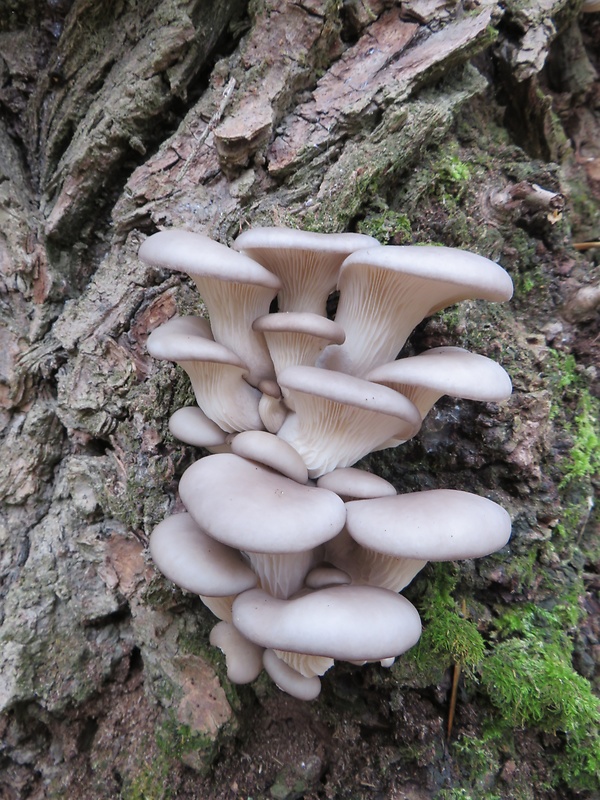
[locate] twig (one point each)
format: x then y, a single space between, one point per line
585 245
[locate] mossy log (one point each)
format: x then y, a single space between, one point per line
468 123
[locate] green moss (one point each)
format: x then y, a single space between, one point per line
385 225
448 637
583 460
530 679
176 740
151 783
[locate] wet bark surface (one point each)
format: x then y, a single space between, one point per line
468 124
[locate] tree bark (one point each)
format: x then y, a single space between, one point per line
469 123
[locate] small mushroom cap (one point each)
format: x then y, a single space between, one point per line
436 525
350 482
267 449
191 559
244 658
198 255
184 339
301 322
288 680
250 507
326 575
343 622
446 370
191 425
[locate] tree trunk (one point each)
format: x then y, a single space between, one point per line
468 123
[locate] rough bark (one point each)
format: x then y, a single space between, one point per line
471 124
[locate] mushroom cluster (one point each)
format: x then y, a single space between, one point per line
299 554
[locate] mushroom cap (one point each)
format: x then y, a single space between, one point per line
473 276
386 291
444 370
435 525
356 623
253 508
267 449
301 322
191 559
307 263
191 425
199 256
338 418
324 575
350 482
288 680
243 658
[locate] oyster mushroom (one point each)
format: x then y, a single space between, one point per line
216 373
306 263
386 291
337 418
235 289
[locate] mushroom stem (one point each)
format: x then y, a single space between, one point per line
283 575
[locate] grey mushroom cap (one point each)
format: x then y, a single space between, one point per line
352 623
288 679
307 263
435 525
243 658
195 562
268 449
191 425
338 418
235 289
356 484
385 292
248 506
444 371
216 372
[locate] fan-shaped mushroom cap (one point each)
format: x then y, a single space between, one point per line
235 289
243 658
343 622
288 679
248 506
356 484
386 291
306 263
191 425
338 418
436 525
268 449
297 338
191 559
216 373
444 370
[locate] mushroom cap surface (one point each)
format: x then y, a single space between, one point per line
356 623
198 255
243 658
358 484
446 370
248 506
435 525
191 425
191 559
267 449
288 679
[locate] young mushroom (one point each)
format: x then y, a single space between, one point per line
297 338
306 263
386 291
338 419
235 289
